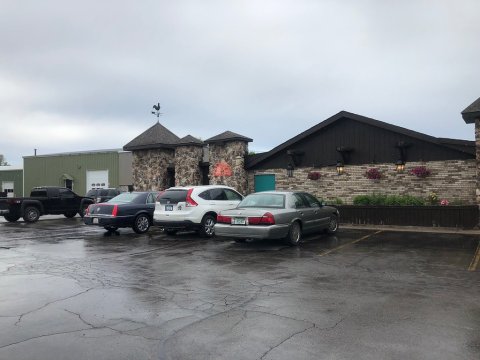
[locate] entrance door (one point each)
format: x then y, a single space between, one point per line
264 182
7 187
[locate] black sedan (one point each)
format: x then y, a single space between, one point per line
133 209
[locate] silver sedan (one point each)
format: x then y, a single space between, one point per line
277 215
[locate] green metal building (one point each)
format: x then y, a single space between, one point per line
79 171
11 181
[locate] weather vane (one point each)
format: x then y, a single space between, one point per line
157 111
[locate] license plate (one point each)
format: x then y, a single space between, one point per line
239 221
95 220
168 207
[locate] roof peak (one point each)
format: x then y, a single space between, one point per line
156 136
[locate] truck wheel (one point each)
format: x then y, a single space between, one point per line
70 214
11 218
31 214
141 224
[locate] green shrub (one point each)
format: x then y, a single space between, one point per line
392 200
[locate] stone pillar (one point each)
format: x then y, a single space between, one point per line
227 164
187 165
150 168
477 147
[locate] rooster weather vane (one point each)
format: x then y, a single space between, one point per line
157 111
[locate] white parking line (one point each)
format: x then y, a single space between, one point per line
326 252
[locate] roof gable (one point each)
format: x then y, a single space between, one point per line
227 136
472 112
157 136
189 140
457 145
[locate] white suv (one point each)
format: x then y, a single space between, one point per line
193 207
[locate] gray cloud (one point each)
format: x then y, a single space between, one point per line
265 69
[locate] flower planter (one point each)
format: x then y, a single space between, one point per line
465 217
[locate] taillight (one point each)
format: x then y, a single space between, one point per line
87 212
266 219
115 210
190 202
224 219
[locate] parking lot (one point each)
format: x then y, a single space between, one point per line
70 291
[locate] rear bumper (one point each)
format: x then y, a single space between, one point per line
251 232
118 221
177 225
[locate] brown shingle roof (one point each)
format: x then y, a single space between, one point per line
472 112
157 136
227 136
190 141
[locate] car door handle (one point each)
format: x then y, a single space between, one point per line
300 212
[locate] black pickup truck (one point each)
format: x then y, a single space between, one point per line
44 200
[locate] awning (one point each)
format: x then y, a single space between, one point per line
67 177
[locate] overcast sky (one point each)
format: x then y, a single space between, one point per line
84 75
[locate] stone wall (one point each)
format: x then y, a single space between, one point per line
477 142
454 180
150 168
233 154
187 165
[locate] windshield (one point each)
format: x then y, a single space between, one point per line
260 200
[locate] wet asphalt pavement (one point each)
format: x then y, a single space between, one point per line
69 291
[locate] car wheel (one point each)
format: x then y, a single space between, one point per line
31 214
207 229
170 231
11 218
83 210
110 228
332 225
70 214
294 234
141 224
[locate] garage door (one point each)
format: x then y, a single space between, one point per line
7 187
97 179
264 182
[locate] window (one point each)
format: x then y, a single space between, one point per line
205 195
173 196
150 199
298 201
311 200
65 194
232 195
217 194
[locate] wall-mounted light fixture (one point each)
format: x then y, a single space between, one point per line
400 166
340 168
290 170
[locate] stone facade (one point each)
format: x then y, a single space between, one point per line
454 180
150 168
477 147
232 153
187 165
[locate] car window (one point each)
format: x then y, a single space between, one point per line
124 198
217 194
205 195
311 200
150 198
113 192
298 201
38 193
65 194
91 193
260 200
173 196
232 195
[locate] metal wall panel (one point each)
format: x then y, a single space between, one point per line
54 169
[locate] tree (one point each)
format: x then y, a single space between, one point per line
3 161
